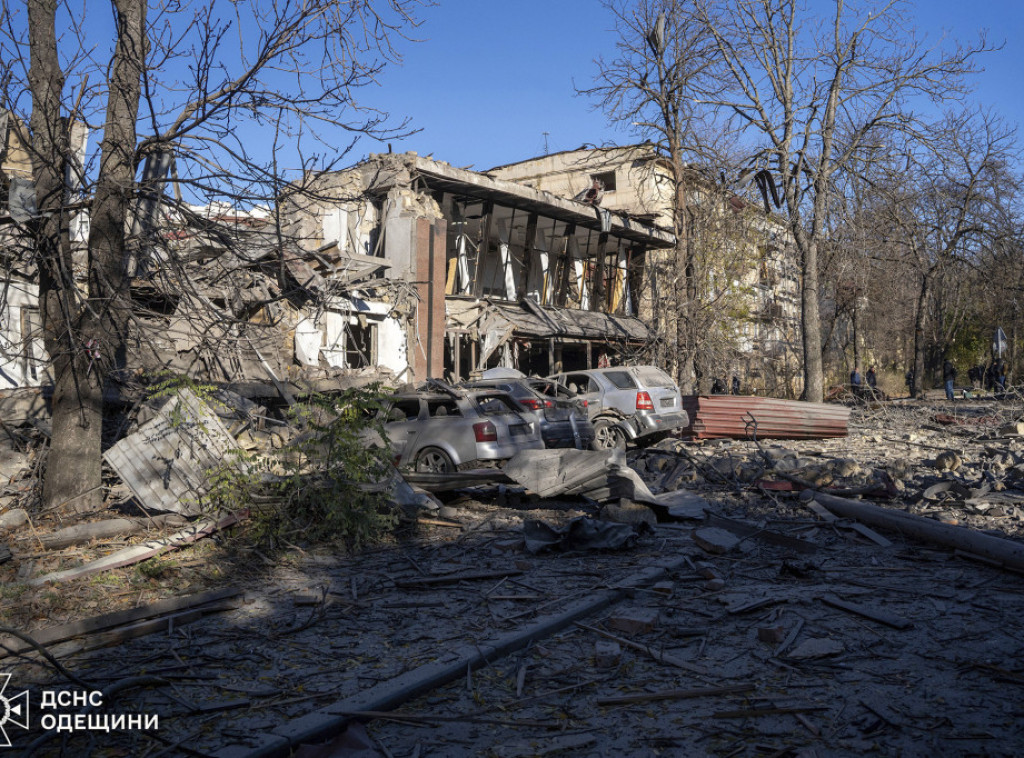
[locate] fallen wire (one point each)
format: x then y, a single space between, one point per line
39 648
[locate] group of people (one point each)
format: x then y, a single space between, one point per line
991 377
858 382
719 387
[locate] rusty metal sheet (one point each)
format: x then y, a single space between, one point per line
742 416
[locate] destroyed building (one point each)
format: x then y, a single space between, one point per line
502 274
409 266
22 358
637 181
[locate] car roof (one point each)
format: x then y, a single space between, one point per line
462 393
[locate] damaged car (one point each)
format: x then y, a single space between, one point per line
628 403
562 417
441 429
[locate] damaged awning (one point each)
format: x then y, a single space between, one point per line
527 319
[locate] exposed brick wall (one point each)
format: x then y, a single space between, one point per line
427 355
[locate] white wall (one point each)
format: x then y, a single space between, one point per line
15 297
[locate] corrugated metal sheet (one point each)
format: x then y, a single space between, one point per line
168 462
740 416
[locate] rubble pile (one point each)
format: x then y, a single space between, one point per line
722 598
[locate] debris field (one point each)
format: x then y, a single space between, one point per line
736 615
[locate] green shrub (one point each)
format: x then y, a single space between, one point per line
335 474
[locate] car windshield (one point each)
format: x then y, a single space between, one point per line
621 379
654 377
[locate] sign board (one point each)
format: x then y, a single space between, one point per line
999 343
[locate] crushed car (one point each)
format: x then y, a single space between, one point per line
628 403
437 428
563 418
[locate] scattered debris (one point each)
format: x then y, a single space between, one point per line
580 534
716 541
854 619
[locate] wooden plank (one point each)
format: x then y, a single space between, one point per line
873 614
826 515
436 581
138 553
166 623
105 529
647 697
64 632
659 655
764 535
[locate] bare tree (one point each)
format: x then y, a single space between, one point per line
648 87
188 80
937 203
809 97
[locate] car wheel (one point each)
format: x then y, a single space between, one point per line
607 435
434 460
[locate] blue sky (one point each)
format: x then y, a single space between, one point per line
489 79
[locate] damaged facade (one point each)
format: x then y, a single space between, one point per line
22 357
409 266
502 274
634 180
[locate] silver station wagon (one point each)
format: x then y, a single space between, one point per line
442 428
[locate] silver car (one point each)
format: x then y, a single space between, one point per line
562 419
442 428
628 403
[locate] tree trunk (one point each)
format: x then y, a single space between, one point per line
72 471
855 321
814 390
83 343
919 322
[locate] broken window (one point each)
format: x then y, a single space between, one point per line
621 379
496 406
441 408
404 409
360 345
581 384
606 178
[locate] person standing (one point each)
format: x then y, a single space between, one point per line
735 384
1000 375
948 377
855 380
872 378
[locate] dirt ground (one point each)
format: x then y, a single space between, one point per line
786 636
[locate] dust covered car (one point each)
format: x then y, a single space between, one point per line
563 419
440 429
628 403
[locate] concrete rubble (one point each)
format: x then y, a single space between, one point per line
746 613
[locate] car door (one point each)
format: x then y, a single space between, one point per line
403 426
586 387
